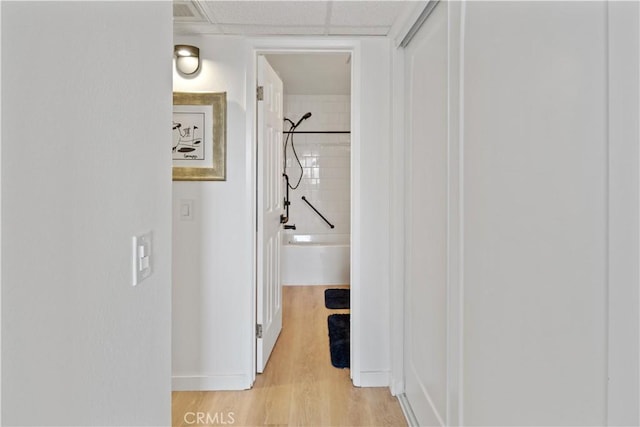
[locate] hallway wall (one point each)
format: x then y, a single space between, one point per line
535 214
86 103
212 289
213 252
371 212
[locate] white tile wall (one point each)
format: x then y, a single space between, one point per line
326 162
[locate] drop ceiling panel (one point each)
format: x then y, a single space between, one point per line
365 13
186 28
268 13
271 30
358 31
294 17
187 11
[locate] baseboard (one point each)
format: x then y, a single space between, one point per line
374 379
412 421
316 284
396 387
210 383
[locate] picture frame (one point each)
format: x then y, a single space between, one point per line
199 132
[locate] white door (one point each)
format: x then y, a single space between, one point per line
270 207
425 351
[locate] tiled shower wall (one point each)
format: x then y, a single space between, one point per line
325 158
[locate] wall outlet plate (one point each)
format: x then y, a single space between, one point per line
142 257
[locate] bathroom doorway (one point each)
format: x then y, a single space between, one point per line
316 167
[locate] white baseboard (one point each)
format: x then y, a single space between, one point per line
210 383
374 379
396 387
316 284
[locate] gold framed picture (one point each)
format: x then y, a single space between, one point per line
199 136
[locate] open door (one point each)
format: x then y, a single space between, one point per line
270 206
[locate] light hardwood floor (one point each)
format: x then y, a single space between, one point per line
299 387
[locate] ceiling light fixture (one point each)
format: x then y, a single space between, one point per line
187 58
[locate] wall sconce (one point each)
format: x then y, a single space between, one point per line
187 58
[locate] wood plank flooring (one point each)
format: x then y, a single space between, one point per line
299 387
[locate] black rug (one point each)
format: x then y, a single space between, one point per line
339 330
336 298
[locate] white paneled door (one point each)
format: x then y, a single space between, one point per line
270 207
425 319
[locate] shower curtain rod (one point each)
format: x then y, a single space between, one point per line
317 131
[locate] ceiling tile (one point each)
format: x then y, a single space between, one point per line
365 13
297 17
358 31
187 11
253 30
269 13
185 28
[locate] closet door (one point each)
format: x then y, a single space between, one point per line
425 352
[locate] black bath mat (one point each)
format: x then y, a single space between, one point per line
339 325
336 298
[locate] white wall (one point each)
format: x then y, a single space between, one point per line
624 227
370 224
0 222
540 117
535 224
213 253
86 97
213 257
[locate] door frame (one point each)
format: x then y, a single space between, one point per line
266 45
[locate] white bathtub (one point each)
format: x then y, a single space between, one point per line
315 259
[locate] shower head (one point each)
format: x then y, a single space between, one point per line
303 118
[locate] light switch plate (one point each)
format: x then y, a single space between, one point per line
186 210
142 257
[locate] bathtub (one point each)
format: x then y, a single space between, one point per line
315 259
